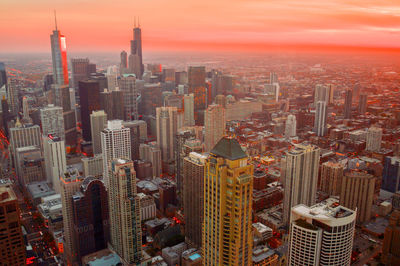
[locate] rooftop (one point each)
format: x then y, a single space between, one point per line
228 148
7 194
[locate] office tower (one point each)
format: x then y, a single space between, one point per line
124 61
391 241
193 197
331 178
215 83
91 214
214 125
93 166
22 136
12 246
320 119
47 82
59 57
197 83
118 104
358 192
391 174
168 75
151 153
127 85
321 235
301 177
166 121
228 195
70 183
135 58
347 104
98 121
115 143
3 75
6 116
80 70
106 103
138 129
322 93
12 97
52 121
55 159
124 206
151 98
374 139
188 107
362 104
30 165
25 110
290 126
89 93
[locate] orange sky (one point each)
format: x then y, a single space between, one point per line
106 25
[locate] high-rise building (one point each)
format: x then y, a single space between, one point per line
228 194
22 136
52 121
331 178
347 104
322 93
106 103
391 242
30 165
89 93
55 159
391 174
197 86
138 129
59 57
124 61
320 118
12 246
151 153
91 214
363 104
374 139
301 177
3 75
166 121
25 111
193 197
127 85
115 143
93 166
98 121
118 110
290 126
135 58
12 96
80 70
124 206
321 235
188 107
358 192
214 125
70 184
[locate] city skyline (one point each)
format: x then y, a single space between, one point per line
242 26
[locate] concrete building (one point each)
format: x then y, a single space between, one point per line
93 166
301 177
188 107
242 109
374 139
320 119
331 178
172 255
151 153
138 129
228 193
357 192
262 232
347 104
22 136
322 93
391 174
363 104
148 207
191 257
290 126
321 235
214 125
98 121
30 165
391 242
166 119
52 121
127 84
55 159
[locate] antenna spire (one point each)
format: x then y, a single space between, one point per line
138 22
55 18
134 21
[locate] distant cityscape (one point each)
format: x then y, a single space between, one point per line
199 159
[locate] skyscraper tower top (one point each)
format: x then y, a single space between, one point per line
59 56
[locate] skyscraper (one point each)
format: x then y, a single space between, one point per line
188 107
3 75
124 61
358 192
30 165
347 104
137 137
321 235
197 86
331 178
290 126
322 93
166 121
118 104
55 159
228 194
124 205
301 177
12 247
374 139
89 93
363 104
115 143
98 121
193 197
80 70
135 58
214 125
127 85
391 242
320 119
91 214
59 57
22 136
151 153
391 174
52 121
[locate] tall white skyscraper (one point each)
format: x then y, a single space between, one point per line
188 107
374 139
98 121
290 127
167 127
322 93
320 119
127 84
59 57
301 176
115 143
55 159
52 121
214 125
321 235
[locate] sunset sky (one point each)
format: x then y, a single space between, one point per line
106 25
